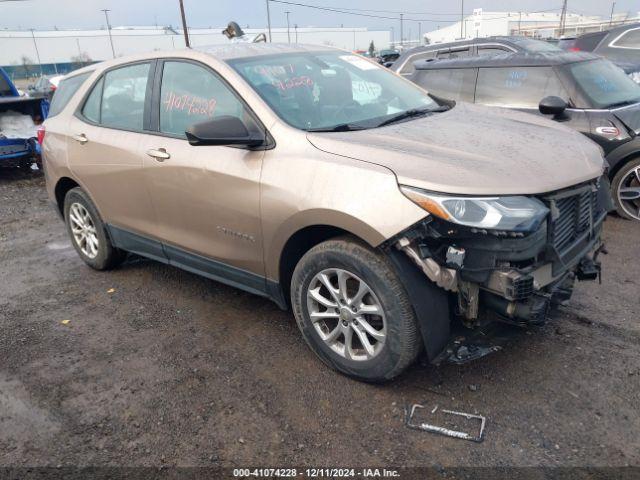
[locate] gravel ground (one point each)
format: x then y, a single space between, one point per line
157 366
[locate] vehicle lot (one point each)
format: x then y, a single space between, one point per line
175 369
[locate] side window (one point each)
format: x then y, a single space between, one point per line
452 84
629 39
462 53
191 94
123 97
91 109
518 86
65 92
489 51
408 67
442 54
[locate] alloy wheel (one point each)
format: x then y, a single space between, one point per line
629 193
83 230
346 314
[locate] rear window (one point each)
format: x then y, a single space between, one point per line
589 42
65 91
5 88
518 86
531 45
408 67
629 39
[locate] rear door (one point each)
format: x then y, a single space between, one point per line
104 146
206 197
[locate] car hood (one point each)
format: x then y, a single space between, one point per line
474 150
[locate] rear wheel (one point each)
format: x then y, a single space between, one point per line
626 190
353 312
88 234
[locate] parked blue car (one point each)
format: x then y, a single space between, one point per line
19 120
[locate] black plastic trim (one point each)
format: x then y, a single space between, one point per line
430 304
198 264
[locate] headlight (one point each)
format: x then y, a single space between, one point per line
520 214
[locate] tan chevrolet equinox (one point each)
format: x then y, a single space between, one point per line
382 216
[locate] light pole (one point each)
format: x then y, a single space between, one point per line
613 6
288 34
401 30
184 26
37 52
420 33
393 36
268 20
295 27
462 20
106 16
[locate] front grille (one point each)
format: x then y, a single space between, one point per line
572 215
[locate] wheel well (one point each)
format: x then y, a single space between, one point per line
300 243
62 187
621 163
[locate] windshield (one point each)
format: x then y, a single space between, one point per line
604 84
325 90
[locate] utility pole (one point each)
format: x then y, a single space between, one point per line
462 20
393 35
401 29
184 26
563 18
613 6
288 34
295 27
268 20
420 33
519 22
37 52
106 16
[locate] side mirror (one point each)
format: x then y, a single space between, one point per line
224 130
553 106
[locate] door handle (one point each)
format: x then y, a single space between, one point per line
159 154
81 138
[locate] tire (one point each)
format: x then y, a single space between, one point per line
628 177
397 341
81 214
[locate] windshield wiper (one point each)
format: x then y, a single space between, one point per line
342 127
412 113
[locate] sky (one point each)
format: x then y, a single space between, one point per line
86 14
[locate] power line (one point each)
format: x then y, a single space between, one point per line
356 12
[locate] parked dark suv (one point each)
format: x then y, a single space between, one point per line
470 48
621 45
581 90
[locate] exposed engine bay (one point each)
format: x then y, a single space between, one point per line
511 276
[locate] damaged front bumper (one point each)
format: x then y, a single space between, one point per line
513 277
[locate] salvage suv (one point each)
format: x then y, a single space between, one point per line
324 182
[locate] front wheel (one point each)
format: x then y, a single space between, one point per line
353 311
626 190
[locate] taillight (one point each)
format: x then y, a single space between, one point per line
574 49
41 132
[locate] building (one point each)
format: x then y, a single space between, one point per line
537 25
62 50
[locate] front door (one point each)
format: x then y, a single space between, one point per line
206 198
